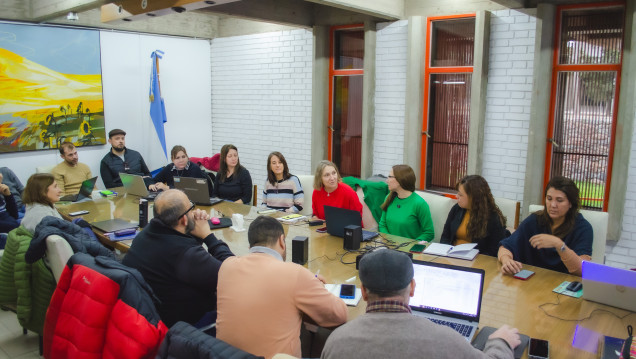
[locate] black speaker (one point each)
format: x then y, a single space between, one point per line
143 213
300 249
352 237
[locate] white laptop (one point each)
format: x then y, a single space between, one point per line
135 185
196 189
609 285
448 295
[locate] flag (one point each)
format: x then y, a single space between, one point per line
157 107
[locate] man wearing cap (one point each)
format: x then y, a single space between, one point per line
261 298
389 330
70 173
121 159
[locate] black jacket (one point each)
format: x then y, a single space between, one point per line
179 270
489 244
111 166
237 186
169 172
186 341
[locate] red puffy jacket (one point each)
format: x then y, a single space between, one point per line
101 309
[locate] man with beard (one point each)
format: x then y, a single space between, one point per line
121 159
70 174
261 298
169 255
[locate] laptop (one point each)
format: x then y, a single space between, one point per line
609 285
448 295
135 185
338 218
112 225
196 189
86 190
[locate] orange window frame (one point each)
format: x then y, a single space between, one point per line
556 68
428 70
332 73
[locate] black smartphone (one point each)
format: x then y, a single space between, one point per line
574 286
347 291
322 230
538 349
417 248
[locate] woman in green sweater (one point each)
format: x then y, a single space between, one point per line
405 213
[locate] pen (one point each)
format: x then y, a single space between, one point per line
318 272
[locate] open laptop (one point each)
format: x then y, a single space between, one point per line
609 285
338 218
85 191
448 295
135 185
196 189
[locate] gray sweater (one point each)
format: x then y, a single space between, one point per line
403 335
34 213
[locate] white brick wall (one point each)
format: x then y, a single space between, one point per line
509 92
390 94
261 98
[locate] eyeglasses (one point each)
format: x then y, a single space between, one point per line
192 205
389 176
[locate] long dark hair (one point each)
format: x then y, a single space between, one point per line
482 205
223 165
405 176
568 187
271 177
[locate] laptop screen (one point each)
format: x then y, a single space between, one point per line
451 290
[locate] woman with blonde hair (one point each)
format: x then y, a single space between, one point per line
40 194
330 191
475 218
180 167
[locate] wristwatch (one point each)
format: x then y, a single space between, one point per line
563 247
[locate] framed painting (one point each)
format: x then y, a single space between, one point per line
50 88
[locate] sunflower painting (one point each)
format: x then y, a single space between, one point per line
50 88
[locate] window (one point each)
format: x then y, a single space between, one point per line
584 101
447 95
345 98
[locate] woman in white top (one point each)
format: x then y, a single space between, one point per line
40 194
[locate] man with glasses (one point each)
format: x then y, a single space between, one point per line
169 254
121 159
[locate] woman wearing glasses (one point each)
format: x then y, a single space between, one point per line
404 212
180 167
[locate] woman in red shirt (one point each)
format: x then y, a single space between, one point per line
330 191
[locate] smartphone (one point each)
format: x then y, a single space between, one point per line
574 286
347 291
538 349
417 248
322 230
524 274
78 213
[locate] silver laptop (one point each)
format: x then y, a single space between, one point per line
448 295
85 191
338 218
135 185
609 285
196 189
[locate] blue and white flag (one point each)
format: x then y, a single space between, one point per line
157 107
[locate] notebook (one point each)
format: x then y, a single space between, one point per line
463 251
135 185
609 285
196 189
86 190
448 295
338 218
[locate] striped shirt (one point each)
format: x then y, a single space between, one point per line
284 194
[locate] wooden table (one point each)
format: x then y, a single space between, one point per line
530 305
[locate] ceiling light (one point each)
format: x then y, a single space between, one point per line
72 16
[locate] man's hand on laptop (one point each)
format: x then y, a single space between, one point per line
510 335
201 225
158 187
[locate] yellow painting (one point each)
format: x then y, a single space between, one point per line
50 88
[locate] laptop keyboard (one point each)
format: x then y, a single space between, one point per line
462 329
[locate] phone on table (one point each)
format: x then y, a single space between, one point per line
538 349
417 248
78 213
322 230
574 286
524 274
347 291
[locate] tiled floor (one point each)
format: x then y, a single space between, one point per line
14 344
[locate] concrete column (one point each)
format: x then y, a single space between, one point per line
478 93
539 113
414 94
624 127
320 95
368 100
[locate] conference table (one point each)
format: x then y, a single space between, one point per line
530 305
